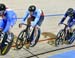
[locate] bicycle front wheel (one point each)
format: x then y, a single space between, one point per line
5 48
59 38
20 40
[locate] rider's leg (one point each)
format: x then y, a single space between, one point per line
36 29
72 38
9 36
9 33
2 26
29 20
69 30
71 26
35 33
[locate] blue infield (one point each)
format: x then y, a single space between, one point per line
69 54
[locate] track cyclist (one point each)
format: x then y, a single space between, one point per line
7 20
71 22
36 16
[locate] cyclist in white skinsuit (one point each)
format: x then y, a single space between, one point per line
36 15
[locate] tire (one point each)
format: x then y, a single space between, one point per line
20 40
59 38
5 49
37 38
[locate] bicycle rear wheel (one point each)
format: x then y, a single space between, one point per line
59 38
36 39
5 48
72 38
20 39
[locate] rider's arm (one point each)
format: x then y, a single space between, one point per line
63 18
7 27
12 16
37 18
25 16
14 19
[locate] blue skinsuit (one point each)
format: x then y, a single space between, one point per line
8 20
71 20
38 17
37 20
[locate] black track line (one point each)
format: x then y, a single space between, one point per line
34 55
30 53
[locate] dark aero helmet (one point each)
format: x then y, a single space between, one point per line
2 7
32 8
70 11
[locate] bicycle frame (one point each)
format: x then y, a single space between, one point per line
63 36
26 37
65 28
27 31
66 31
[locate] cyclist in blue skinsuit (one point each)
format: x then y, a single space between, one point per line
36 15
71 21
7 19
